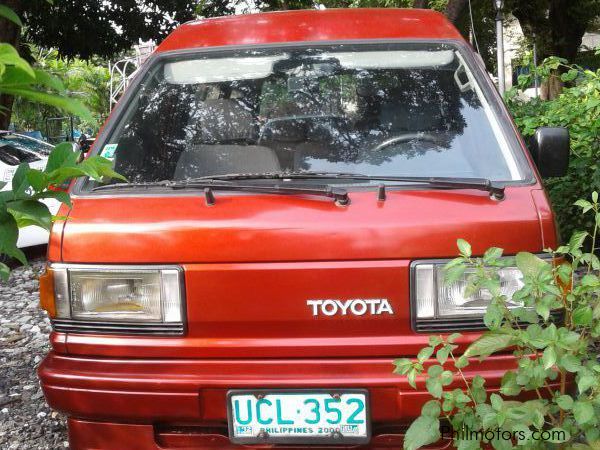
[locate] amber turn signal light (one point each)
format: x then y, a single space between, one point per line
47 300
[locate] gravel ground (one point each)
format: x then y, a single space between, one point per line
26 421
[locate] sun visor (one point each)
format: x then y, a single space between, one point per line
401 59
215 70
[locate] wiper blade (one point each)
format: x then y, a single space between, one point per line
107 187
340 195
483 184
277 175
225 182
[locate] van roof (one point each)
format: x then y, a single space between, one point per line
311 26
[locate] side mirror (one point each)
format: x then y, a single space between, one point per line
550 148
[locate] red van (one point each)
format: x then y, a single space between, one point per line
296 182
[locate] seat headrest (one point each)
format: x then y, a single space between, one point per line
206 160
222 121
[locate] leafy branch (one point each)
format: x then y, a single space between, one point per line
22 205
555 361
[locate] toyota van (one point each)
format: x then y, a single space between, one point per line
296 182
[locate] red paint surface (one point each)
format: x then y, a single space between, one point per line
252 261
270 228
311 26
102 436
172 392
106 395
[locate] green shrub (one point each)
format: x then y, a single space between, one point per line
578 109
548 354
22 205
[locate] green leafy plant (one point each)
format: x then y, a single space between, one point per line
557 371
22 205
578 109
89 81
19 79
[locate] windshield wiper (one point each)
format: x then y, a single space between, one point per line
149 184
339 195
278 175
483 184
225 182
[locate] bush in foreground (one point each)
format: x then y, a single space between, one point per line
578 109
557 363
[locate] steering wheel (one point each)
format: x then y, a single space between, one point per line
270 123
406 138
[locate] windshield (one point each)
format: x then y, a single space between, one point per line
396 110
15 149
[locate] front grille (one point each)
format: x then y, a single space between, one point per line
468 323
90 327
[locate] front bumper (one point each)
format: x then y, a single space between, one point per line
169 403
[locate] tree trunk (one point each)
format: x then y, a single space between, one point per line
455 8
557 31
423 4
552 87
9 33
567 28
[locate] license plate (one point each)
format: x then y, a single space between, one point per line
299 416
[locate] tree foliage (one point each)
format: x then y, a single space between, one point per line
18 78
88 81
85 28
578 109
88 28
557 26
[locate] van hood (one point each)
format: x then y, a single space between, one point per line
284 276
273 228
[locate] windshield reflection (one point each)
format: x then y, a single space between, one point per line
406 110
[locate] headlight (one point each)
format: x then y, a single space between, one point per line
117 299
437 306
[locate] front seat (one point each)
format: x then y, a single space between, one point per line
220 145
